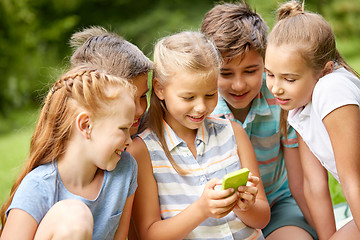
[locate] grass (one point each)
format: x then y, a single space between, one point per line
14 146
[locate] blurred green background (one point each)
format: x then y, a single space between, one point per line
34 50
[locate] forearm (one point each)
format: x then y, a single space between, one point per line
301 202
321 209
177 227
258 216
351 191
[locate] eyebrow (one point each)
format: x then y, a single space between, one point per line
251 66
286 74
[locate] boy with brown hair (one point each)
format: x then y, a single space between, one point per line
240 35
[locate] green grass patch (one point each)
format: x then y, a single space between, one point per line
14 147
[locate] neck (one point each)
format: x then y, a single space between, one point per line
78 175
240 113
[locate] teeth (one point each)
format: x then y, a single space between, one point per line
118 152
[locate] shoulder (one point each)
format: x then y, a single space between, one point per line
334 90
217 125
36 193
126 162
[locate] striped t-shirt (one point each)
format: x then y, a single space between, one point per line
216 156
262 125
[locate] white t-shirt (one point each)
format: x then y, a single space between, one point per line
332 91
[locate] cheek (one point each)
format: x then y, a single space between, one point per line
223 84
140 108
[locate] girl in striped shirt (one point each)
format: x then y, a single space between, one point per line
183 153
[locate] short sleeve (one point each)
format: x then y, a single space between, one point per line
34 197
334 91
291 141
133 182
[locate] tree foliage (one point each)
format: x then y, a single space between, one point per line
34 34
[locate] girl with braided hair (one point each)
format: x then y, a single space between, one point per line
79 181
109 52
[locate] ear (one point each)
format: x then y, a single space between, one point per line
329 67
158 89
83 124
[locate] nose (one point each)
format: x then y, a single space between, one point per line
238 84
128 139
200 106
276 88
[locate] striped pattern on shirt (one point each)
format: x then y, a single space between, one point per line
262 125
216 156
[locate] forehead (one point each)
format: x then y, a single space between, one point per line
140 82
252 57
285 58
190 82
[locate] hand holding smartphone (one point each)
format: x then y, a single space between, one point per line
235 179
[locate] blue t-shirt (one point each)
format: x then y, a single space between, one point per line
43 187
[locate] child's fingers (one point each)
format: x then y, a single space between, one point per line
254 180
212 183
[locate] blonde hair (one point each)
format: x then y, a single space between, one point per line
108 52
187 51
235 29
311 34
80 88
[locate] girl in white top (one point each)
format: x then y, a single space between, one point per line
311 80
181 157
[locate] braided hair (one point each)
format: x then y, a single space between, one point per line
79 89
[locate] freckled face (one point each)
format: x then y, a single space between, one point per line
288 77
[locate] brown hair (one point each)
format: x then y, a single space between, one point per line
235 29
108 52
188 52
80 88
311 34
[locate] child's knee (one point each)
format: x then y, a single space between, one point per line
67 219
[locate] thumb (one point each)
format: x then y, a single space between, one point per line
213 182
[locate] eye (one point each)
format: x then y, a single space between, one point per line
188 98
211 95
269 74
250 71
143 96
225 74
290 80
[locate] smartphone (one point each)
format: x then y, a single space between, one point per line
235 179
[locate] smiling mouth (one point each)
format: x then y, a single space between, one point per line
136 123
118 152
197 119
239 95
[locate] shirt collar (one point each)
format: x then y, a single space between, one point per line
173 140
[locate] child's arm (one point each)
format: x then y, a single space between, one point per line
257 213
123 228
19 225
296 179
343 127
316 191
146 210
